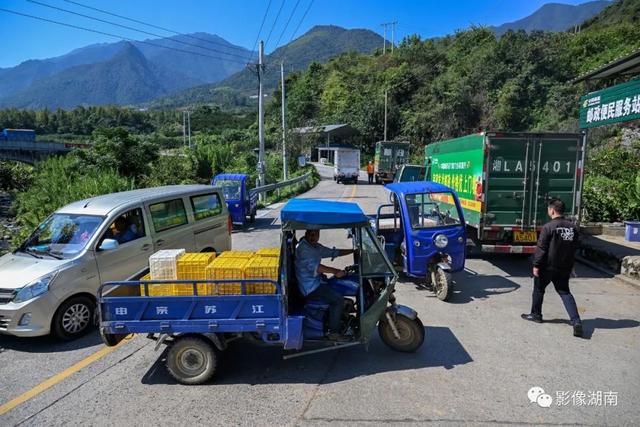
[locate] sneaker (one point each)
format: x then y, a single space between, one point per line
532 317
577 329
334 336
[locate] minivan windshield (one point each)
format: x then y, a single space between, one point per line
230 188
61 235
428 210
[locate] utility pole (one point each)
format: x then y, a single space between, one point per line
393 29
184 129
384 39
385 115
261 166
189 124
285 171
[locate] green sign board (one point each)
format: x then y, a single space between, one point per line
615 104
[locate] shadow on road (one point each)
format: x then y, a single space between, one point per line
47 344
589 326
247 363
519 265
470 286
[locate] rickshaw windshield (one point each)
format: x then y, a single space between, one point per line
429 210
230 188
373 260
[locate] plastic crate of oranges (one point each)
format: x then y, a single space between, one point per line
192 266
226 268
262 268
268 252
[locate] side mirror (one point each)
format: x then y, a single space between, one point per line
108 245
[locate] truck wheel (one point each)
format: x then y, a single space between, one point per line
192 360
73 318
411 334
443 287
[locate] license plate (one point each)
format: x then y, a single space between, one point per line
525 237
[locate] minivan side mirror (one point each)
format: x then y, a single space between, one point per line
108 245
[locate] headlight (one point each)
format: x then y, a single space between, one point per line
441 241
35 288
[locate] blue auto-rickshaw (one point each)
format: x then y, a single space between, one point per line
423 231
198 327
242 203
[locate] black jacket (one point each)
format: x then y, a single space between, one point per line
557 245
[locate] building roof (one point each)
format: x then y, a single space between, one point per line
103 205
338 129
627 65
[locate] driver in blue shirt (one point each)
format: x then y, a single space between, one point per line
312 282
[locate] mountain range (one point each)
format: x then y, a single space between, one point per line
145 73
555 17
120 73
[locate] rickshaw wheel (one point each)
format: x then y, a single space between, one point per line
192 360
411 334
443 287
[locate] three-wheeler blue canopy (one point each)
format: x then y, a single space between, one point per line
316 214
418 187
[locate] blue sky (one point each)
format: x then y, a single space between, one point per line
238 21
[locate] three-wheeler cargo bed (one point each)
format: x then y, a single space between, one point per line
190 314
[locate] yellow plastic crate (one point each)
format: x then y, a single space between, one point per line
237 254
268 252
262 268
227 268
157 290
192 266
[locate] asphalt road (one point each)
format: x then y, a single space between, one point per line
477 364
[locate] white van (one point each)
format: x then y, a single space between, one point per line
49 283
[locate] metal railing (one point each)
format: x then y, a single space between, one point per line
278 185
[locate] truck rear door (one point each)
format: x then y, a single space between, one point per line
557 171
525 171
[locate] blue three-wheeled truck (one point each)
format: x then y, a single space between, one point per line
198 327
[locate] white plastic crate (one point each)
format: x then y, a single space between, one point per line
163 264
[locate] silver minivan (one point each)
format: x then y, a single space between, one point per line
49 284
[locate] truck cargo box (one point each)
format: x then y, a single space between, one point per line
505 181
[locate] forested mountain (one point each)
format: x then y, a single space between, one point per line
127 78
461 83
21 83
555 17
319 44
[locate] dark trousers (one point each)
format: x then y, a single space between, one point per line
327 294
370 178
560 281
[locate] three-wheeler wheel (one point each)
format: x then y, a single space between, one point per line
192 360
410 333
442 283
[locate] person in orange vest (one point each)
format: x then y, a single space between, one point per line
370 171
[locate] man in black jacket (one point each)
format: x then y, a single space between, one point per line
553 262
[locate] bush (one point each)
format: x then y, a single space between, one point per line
57 182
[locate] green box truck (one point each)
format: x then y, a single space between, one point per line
389 156
504 181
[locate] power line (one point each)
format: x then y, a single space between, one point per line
286 25
300 22
275 22
132 28
264 18
77 27
152 25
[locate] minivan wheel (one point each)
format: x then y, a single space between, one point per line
74 318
